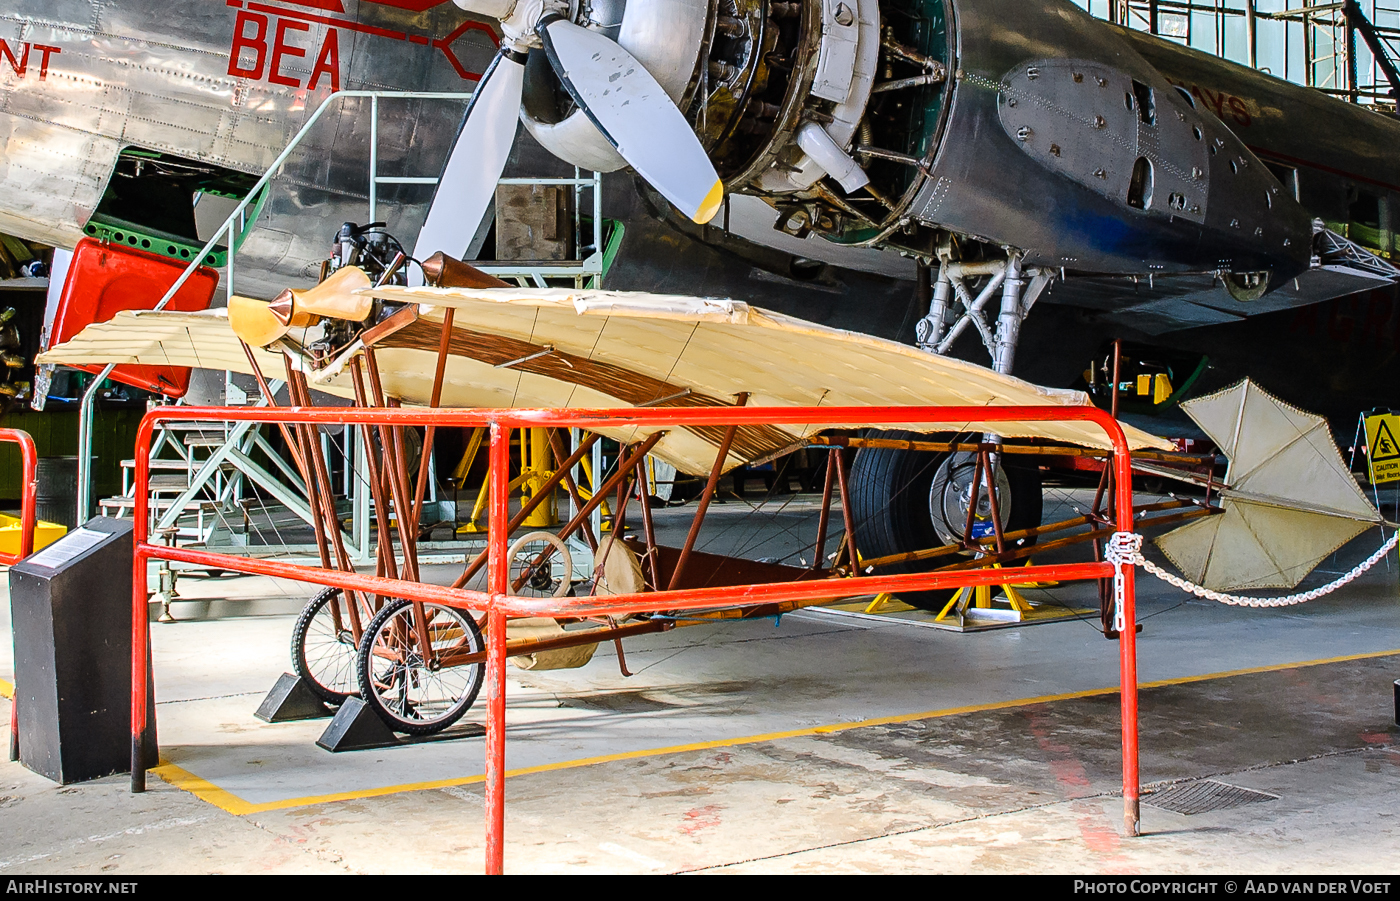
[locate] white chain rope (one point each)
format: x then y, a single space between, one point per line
1126 548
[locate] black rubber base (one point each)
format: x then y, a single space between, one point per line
291 699
358 728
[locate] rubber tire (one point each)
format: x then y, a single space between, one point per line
890 506
371 697
301 666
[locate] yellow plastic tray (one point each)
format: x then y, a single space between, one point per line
45 534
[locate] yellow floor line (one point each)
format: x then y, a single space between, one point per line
185 780
7 689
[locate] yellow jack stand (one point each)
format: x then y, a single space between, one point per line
886 603
980 597
535 462
975 608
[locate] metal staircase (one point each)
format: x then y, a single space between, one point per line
202 480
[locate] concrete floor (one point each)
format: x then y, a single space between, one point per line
832 743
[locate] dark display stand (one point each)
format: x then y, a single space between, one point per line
71 610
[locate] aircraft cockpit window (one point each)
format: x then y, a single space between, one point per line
1146 107
1189 99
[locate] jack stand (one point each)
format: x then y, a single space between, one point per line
167 592
885 599
974 608
979 597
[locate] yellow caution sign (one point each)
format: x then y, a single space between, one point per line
1383 451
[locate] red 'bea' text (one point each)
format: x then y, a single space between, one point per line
19 63
263 44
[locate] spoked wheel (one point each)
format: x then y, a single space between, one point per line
323 647
906 500
415 689
534 560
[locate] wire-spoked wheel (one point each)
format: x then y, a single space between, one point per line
415 689
323 648
533 560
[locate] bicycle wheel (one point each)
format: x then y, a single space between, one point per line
535 575
322 654
414 691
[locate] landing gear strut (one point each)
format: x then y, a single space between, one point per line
907 500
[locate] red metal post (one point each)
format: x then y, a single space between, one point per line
29 462
140 617
497 573
1127 640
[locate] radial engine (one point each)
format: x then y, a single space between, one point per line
900 123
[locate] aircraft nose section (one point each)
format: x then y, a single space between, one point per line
1187 191
1260 226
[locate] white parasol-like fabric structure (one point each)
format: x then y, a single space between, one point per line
1289 499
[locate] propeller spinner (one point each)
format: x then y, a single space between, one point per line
613 89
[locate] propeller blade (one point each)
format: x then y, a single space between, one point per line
477 160
636 116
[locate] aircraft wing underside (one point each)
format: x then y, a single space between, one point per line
1175 302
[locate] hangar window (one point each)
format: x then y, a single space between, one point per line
1147 109
1140 187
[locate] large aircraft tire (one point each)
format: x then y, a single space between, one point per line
893 509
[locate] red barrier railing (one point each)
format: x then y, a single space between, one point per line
29 462
498 604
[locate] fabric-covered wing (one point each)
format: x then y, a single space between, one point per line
543 348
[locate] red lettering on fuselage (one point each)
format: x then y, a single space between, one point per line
1221 103
338 6
281 48
327 62
257 42
250 35
261 39
20 64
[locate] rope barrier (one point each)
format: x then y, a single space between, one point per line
1125 548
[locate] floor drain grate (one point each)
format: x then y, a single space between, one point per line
1200 797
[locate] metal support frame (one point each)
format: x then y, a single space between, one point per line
237 219
499 604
